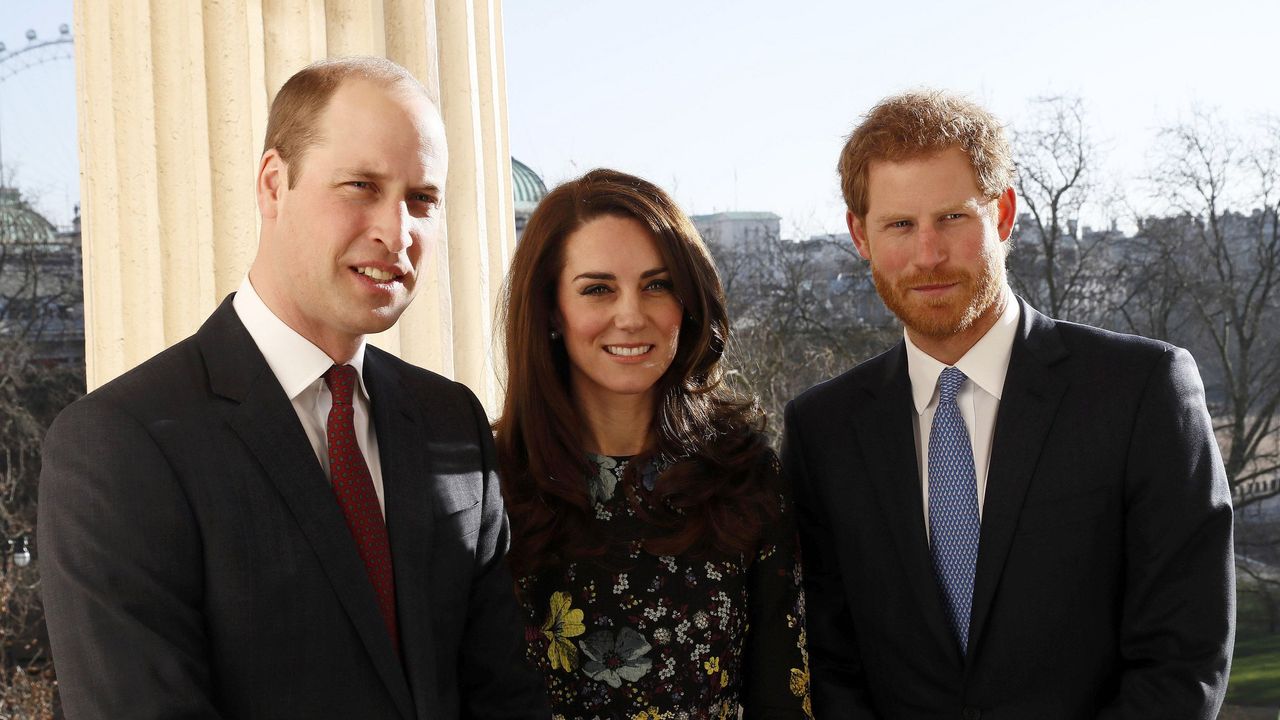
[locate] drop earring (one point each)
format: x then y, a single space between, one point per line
555 334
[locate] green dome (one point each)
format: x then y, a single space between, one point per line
526 186
21 225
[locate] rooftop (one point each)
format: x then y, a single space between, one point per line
736 215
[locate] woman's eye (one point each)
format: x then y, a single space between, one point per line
663 285
595 289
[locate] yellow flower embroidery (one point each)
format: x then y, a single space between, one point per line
724 679
652 713
562 623
800 688
712 666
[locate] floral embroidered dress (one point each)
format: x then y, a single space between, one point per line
634 636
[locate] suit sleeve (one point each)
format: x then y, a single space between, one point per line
495 682
121 570
1179 606
838 685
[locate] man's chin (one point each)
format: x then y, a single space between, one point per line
380 319
928 319
934 326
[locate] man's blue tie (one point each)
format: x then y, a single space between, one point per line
953 506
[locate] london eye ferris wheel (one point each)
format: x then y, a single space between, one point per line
37 119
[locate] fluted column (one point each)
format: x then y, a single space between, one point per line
173 100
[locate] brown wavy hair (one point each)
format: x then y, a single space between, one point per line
723 486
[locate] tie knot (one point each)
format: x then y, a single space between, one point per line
341 380
949 383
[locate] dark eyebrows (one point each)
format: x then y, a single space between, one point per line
610 276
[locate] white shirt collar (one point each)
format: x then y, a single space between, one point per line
296 362
986 363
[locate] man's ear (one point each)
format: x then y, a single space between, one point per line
858 232
273 178
1006 213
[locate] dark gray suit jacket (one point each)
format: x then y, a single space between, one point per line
1104 585
197 565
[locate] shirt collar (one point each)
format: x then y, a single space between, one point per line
986 363
295 360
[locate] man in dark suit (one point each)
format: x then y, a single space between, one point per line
270 519
1004 515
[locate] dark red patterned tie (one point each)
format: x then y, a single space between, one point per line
354 487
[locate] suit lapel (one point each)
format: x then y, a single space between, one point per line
1028 403
266 423
887 427
406 480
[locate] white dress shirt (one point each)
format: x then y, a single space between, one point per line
300 366
985 365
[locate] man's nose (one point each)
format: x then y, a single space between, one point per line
392 226
931 248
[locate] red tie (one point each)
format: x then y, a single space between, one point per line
353 486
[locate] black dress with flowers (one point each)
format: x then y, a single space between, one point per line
634 636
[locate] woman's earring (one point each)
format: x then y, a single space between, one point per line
555 334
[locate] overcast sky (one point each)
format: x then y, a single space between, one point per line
743 104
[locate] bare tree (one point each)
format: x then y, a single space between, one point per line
1153 301
40 373
1216 283
1056 265
802 312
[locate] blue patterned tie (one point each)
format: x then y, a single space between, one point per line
953 505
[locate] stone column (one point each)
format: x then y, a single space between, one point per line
172 101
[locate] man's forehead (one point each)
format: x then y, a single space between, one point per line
365 108
357 97
921 185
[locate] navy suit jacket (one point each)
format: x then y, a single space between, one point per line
196 564
1105 582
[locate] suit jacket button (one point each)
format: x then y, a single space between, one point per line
971 713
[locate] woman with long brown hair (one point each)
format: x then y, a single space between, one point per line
652 541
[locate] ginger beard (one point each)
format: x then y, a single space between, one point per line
948 315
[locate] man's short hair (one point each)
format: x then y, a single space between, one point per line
295 112
919 124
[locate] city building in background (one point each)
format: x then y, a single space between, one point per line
738 230
41 296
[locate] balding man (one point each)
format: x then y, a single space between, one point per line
272 519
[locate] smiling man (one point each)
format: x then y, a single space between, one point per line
272 519
1004 515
